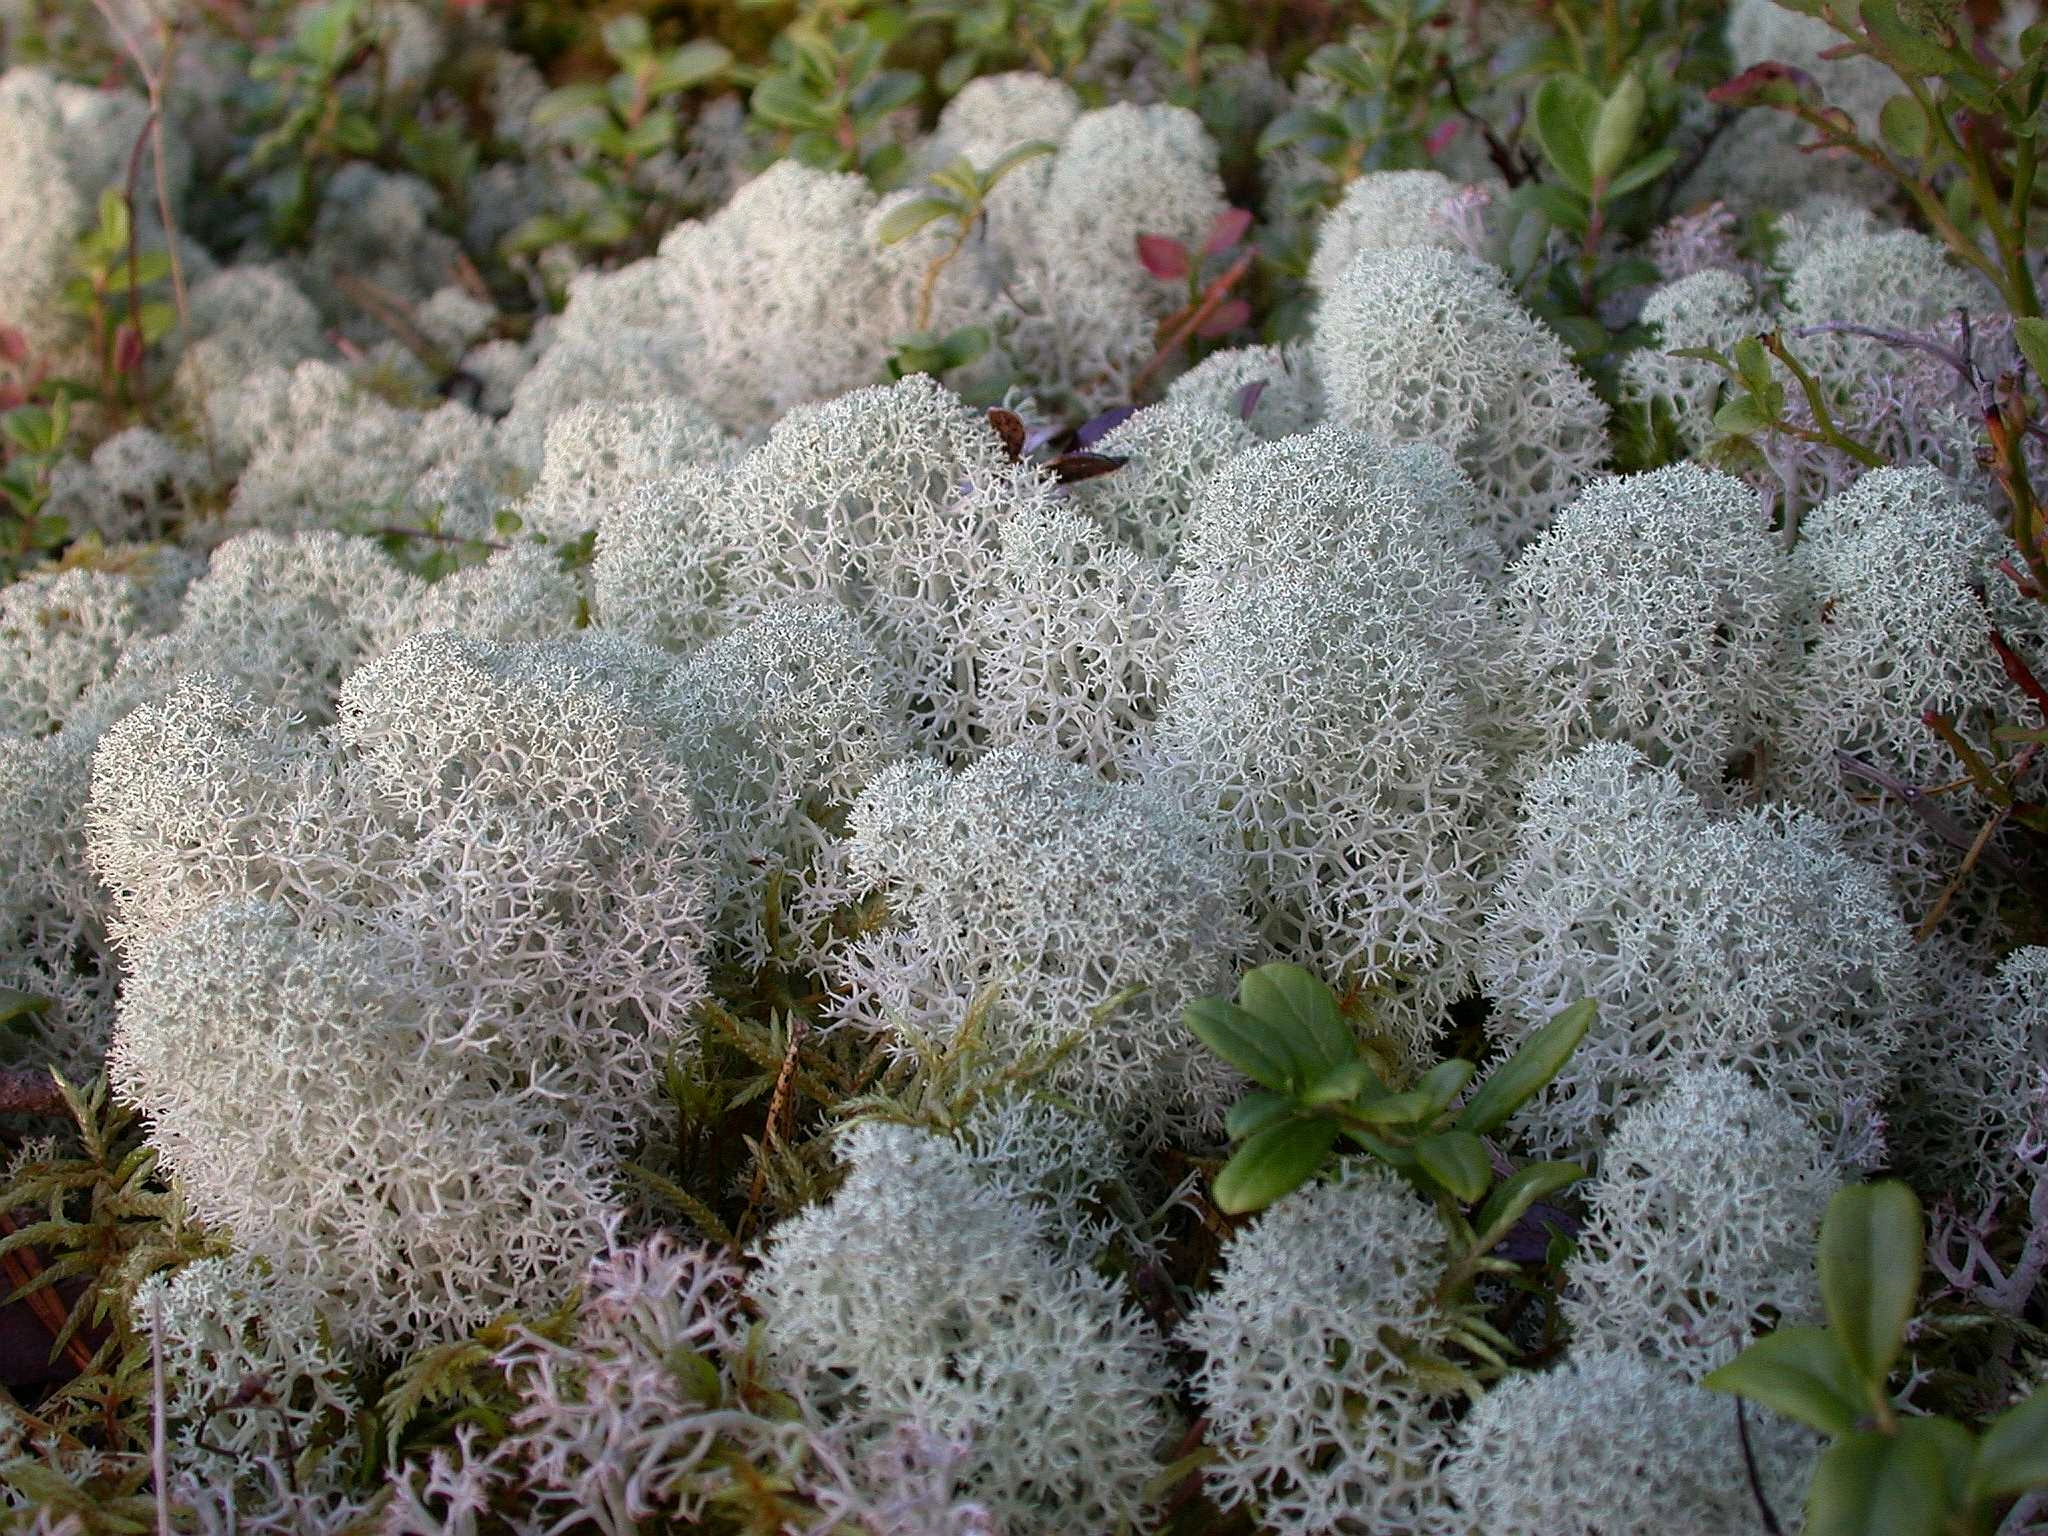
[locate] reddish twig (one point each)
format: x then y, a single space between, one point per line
1211 300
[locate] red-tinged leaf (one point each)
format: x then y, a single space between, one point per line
2017 669
1248 399
1164 258
127 349
1440 137
1010 428
1766 85
2019 578
1071 467
12 395
1228 229
13 346
1224 318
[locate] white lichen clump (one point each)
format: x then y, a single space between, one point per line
1064 893
1610 1441
1748 940
1423 343
1660 611
1687 1252
921 1296
1319 1425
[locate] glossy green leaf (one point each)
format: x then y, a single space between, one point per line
1643 172
1254 1112
1247 1043
1338 1084
1869 1484
1457 1160
1614 129
1510 1202
1273 1163
1393 1110
1446 1080
1301 1010
1566 114
1799 1372
2012 1457
1526 1073
1869 1260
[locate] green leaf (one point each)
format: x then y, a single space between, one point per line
1561 206
356 133
1753 365
1906 50
782 102
1566 115
113 228
692 65
885 93
1870 1272
20 1005
959 177
627 35
1870 1484
1510 1202
907 218
1343 1082
1247 1043
962 346
1801 1373
322 33
1457 1160
1276 1161
1446 1080
1394 1109
1010 159
1741 416
1525 1074
1643 172
1904 126
1254 1112
1614 129
158 320
1301 1010
2012 1457
2032 335
1295 125
652 134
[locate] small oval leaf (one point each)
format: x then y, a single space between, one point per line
1273 1163
1870 1243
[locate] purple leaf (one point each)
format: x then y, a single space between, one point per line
1097 428
1248 399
